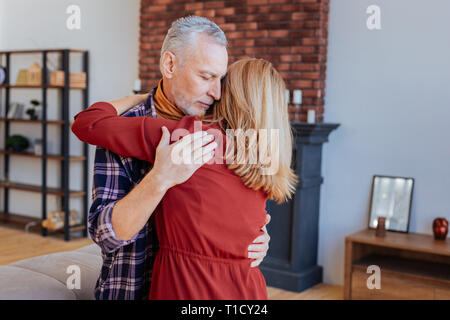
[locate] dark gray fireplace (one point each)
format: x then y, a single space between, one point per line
291 262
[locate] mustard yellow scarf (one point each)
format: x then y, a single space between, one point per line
164 108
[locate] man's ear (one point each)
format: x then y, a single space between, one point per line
168 64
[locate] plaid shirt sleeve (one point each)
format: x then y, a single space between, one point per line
110 184
127 265
114 177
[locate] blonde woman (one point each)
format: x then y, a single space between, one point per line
226 197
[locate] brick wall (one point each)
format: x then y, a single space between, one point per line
291 34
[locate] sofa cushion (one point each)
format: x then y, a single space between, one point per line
22 284
92 249
56 265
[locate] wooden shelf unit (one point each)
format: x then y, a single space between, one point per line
22 220
34 188
33 121
412 266
64 158
34 51
47 86
49 156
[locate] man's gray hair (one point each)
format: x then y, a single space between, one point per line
183 32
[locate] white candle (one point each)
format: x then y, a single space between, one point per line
137 85
311 116
287 96
297 96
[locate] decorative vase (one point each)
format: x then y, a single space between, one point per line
381 227
440 228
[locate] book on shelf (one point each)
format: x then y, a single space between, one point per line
12 110
19 111
16 111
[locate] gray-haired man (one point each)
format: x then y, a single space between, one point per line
125 191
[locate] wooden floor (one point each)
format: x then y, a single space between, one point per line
321 291
16 244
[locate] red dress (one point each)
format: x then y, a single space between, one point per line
204 225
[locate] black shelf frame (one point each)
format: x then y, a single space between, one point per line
64 192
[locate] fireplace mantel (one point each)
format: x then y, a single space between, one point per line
291 262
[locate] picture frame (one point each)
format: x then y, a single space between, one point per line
391 197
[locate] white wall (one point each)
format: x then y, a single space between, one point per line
389 90
2 17
110 31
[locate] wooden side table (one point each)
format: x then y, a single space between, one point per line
412 266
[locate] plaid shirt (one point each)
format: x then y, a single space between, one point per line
127 265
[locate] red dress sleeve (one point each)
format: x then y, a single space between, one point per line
135 137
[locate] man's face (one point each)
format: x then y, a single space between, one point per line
196 83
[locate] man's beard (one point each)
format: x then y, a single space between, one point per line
193 111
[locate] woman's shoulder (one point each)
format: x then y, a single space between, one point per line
194 123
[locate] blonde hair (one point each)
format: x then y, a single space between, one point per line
253 98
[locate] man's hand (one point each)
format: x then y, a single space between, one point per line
132 212
258 249
195 145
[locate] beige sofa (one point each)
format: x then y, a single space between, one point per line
45 277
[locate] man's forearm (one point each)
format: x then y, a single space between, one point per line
131 213
126 103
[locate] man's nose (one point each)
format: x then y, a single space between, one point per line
214 91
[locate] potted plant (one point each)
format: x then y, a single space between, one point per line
32 110
17 143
